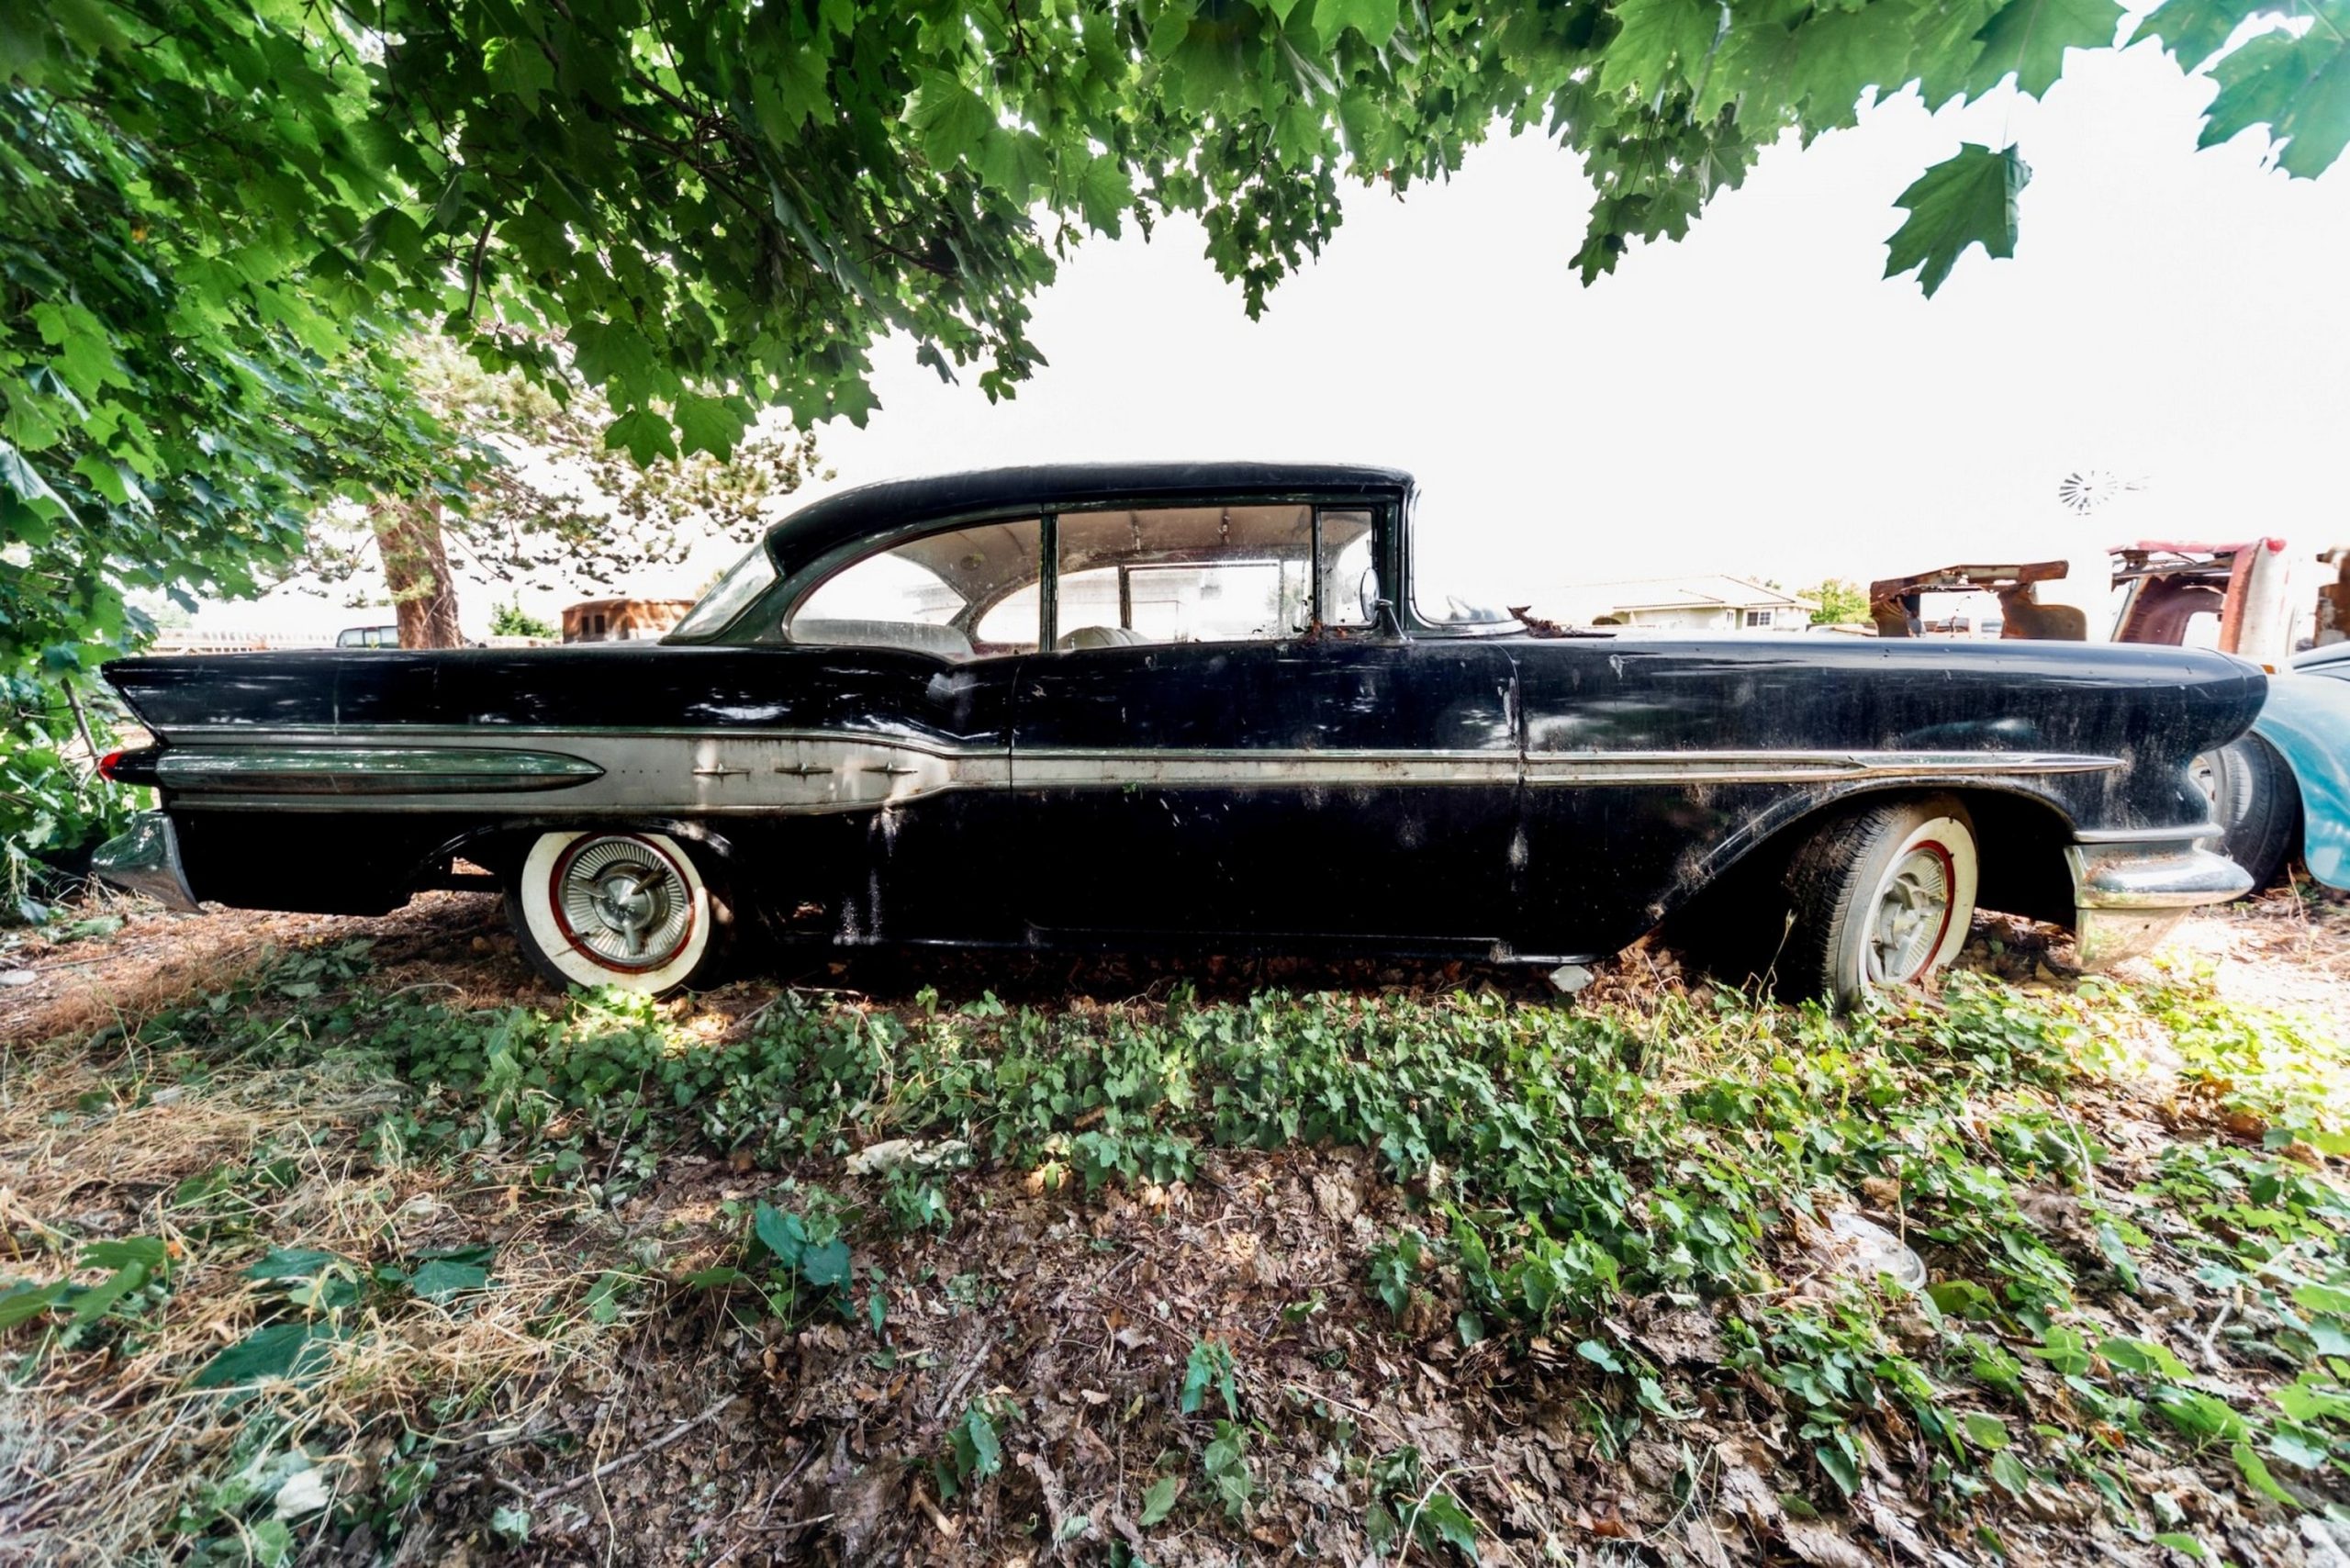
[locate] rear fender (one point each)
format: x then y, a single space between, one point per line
500 846
2307 719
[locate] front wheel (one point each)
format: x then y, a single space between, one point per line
629 910
1879 898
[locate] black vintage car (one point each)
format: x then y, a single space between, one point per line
1203 705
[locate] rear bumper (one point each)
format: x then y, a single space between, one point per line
147 860
2129 893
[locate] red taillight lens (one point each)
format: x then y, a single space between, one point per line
107 764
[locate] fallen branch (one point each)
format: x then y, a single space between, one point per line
624 1460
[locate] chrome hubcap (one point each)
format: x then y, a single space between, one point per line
1912 913
625 904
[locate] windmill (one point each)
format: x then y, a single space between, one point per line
2087 490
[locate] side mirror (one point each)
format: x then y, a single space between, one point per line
1367 599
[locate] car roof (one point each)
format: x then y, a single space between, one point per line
836 519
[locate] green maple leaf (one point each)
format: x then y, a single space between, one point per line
1945 47
1374 19
1103 191
644 433
2195 30
709 424
1966 200
1755 69
2298 87
2028 39
953 121
1842 54
1656 38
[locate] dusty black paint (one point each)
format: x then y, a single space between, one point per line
1544 868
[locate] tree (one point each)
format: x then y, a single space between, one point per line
179 383
725 205
550 503
1841 602
510 620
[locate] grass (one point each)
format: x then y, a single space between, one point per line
390 1238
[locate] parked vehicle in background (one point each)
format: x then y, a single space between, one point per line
368 637
1200 705
2284 786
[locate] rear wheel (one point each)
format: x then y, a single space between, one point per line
1879 898
630 909
2255 802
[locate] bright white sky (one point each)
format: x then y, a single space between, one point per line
1752 399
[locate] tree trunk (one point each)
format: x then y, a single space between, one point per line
415 568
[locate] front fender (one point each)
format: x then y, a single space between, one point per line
2307 719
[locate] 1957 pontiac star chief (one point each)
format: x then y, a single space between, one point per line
1206 705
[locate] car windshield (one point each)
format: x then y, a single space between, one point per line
745 581
1445 592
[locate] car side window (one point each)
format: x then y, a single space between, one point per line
1350 588
947 594
1192 574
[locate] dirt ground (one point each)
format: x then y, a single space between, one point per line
696 1438
2287 947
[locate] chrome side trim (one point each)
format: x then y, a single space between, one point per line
146 859
1791 766
755 771
366 770
1228 769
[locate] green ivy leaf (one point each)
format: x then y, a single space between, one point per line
1962 201
2257 1471
2198 1415
23 1301
825 1265
445 1277
1444 1522
279 1350
1158 1500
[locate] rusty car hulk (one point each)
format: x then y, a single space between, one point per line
1205 706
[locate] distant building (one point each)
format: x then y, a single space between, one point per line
622 620
1712 602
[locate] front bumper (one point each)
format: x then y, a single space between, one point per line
146 860
2129 893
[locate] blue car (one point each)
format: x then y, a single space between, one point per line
2305 724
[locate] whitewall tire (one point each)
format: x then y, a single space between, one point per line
615 908
1881 898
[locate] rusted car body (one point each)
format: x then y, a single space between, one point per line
1206 705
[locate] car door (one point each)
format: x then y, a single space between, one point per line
890 762
1316 778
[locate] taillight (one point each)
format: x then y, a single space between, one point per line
107 764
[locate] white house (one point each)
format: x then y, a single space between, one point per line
1711 602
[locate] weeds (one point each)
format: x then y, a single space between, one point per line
1552 1168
